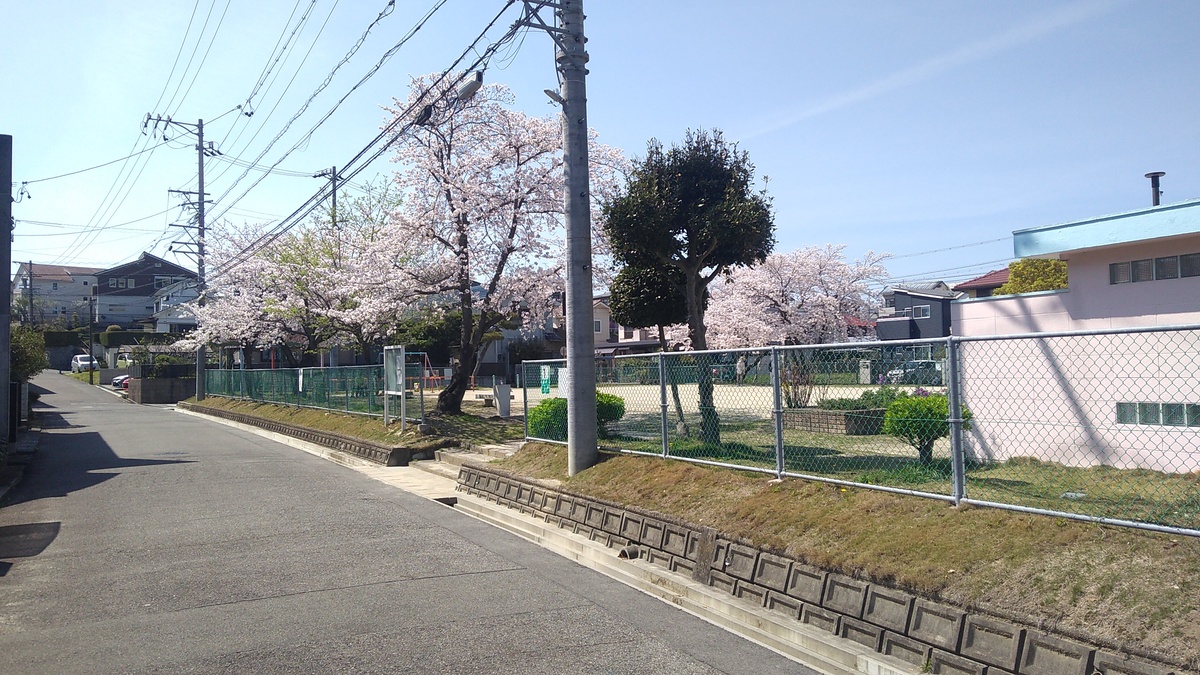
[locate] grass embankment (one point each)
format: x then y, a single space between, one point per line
475 428
1108 584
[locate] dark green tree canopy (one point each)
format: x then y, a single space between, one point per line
643 297
694 209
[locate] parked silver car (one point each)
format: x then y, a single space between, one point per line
82 363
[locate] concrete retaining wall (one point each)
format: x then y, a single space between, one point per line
931 635
385 455
161 389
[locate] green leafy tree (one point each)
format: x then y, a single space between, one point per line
28 349
693 209
652 296
919 421
1034 274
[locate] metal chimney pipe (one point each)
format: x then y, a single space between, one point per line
1155 193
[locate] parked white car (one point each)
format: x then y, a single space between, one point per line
82 362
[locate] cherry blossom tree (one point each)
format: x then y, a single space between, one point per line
801 297
482 189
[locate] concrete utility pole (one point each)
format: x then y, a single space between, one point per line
201 151
331 173
572 60
6 202
200 285
29 275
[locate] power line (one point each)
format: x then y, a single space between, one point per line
279 100
90 168
951 248
320 88
391 130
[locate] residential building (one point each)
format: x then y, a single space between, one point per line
914 311
1121 400
172 314
984 286
125 293
1140 268
45 294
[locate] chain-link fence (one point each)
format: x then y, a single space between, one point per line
350 389
1096 425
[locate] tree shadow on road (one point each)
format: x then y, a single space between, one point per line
67 462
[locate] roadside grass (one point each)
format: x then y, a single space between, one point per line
478 425
1111 584
83 377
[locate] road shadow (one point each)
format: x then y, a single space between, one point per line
25 541
70 461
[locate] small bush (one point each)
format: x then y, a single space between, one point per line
609 408
548 419
872 398
919 421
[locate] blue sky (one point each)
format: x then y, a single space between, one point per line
930 130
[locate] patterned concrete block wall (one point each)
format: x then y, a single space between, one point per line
372 452
930 635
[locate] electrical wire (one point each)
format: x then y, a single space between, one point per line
320 88
279 100
98 166
390 132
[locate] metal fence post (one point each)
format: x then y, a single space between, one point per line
777 393
525 396
957 460
662 395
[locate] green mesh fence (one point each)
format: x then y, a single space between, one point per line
1099 426
351 389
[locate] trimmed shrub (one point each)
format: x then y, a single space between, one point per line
920 420
548 419
609 408
872 398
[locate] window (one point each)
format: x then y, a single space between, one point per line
920 312
1159 414
1118 273
1150 269
1142 270
112 282
1149 413
1173 415
596 326
1189 265
1126 413
1166 268
54 286
626 332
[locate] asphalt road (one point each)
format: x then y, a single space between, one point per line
143 540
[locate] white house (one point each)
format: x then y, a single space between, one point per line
1122 400
52 293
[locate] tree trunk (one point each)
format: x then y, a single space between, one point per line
925 452
682 425
710 420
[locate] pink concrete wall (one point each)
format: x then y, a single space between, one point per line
1055 399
